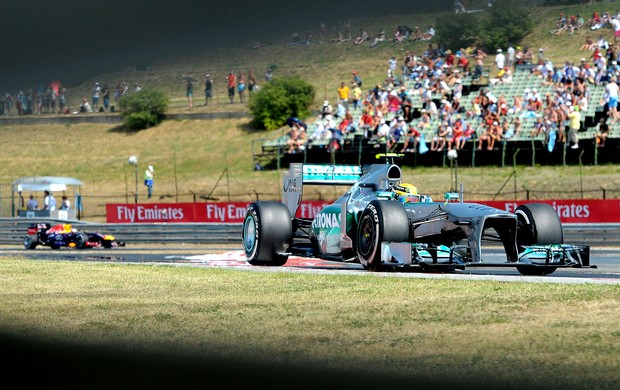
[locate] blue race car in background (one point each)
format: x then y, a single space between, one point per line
64 235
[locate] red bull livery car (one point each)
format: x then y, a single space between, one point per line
64 235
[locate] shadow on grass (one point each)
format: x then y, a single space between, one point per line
37 362
122 129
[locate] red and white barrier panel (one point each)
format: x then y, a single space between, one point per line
570 211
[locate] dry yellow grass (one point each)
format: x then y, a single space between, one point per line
515 334
214 157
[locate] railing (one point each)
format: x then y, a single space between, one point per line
13 231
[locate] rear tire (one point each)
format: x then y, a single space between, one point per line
538 224
29 243
80 240
381 221
267 232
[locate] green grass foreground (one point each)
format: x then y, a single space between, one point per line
324 328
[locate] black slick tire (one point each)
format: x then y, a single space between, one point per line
538 224
382 220
29 243
267 233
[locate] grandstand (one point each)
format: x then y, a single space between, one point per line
521 150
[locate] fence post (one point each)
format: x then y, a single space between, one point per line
595 154
564 154
580 174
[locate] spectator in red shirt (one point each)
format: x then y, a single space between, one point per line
450 58
366 123
412 136
231 81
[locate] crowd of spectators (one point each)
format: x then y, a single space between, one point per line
385 113
54 99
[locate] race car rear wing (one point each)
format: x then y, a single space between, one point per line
331 174
314 174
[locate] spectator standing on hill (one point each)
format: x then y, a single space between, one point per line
208 89
231 83
148 180
574 124
500 60
357 79
510 60
96 93
53 100
479 56
241 86
356 95
117 93
611 90
189 92
29 99
105 92
615 23
251 81
344 94
392 67
62 99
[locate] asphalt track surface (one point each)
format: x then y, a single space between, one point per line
606 260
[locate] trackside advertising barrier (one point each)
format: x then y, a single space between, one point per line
570 211
211 212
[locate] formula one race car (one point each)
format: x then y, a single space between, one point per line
382 223
65 235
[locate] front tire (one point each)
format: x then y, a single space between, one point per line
267 233
538 224
29 243
381 221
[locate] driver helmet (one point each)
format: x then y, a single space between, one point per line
406 193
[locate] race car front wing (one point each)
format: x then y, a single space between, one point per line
406 254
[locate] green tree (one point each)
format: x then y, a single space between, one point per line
280 99
506 23
456 31
143 109
503 24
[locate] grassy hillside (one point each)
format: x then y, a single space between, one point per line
326 64
193 159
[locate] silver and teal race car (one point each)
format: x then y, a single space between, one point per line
384 223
